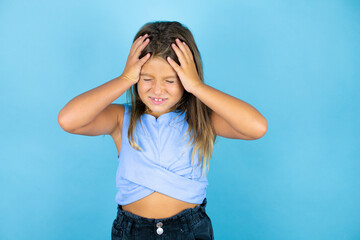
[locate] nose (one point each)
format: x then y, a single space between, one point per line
158 88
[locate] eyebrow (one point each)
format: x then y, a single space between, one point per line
147 74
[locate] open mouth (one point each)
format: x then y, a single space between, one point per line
158 101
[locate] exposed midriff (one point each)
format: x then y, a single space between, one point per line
157 205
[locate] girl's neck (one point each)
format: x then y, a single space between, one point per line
148 111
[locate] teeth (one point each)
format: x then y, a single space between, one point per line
158 99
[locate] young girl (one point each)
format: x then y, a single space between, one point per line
165 137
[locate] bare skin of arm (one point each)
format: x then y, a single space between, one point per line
91 113
231 117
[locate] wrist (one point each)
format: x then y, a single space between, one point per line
126 80
196 87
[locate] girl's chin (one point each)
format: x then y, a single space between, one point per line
158 109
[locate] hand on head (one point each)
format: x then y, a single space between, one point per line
134 64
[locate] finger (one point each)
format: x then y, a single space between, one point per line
137 43
143 60
188 50
134 44
179 54
173 64
183 49
141 47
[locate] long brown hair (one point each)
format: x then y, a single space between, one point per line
161 35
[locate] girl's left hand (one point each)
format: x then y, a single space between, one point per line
187 70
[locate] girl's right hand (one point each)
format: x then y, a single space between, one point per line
134 64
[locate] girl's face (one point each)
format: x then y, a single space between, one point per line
159 80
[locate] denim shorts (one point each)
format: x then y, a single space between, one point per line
189 224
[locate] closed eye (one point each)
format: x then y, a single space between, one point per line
151 79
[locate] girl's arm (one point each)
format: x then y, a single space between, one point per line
241 116
232 117
86 107
91 113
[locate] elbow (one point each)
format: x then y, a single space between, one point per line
261 130
61 122
264 128
60 119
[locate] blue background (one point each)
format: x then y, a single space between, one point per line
297 62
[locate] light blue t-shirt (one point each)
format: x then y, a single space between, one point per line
164 165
